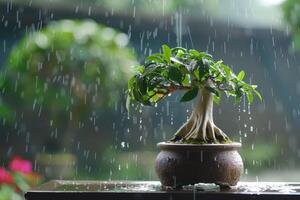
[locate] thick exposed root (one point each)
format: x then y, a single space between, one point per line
220 135
211 132
200 128
183 130
200 131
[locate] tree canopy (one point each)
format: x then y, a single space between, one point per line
181 69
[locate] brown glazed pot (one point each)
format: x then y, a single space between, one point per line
183 164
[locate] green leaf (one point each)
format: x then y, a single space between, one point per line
213 90
175 74
157 97
254 86
203 71
20 182
241 75
155 58
141 83
167 53
238 99
176 61
6 192
227 72
258 95
217 99
206 55
249 96
131 82
140 69
186 80
179 53
195 53
136 93
189 95
177 50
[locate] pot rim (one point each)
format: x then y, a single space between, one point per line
169 145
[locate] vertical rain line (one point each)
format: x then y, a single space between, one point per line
190 36
178 24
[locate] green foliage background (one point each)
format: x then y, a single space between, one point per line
291 11
68 70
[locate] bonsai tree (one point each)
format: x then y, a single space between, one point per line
181 69
65 72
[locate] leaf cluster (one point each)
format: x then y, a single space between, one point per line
181 69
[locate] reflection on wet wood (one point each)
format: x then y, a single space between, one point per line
59 189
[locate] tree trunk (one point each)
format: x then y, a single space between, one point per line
200 127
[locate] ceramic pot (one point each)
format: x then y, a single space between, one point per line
183 164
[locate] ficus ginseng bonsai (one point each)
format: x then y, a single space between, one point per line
197 72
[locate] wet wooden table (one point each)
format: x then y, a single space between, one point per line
152 190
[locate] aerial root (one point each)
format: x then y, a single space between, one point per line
192 134
211 132
200 129
182 131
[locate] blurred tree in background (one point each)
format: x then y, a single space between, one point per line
291 11
65 73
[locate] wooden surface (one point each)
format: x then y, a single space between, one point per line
152 190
